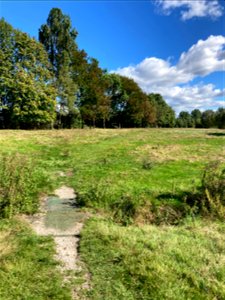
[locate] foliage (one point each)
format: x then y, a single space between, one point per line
33 77
209 199
208 118
58 38
93 103
196 118
27 96
185 120
220 118
165 115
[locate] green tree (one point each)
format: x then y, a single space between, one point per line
94 103
197 118
165 115
184 120
58 37
208 119
220 118
130 106
26 84
134 114
118 99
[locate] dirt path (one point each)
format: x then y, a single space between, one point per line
60 218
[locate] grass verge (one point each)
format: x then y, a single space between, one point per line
28 270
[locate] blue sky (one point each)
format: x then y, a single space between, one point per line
175 47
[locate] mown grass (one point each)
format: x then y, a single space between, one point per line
27 267
134 177
150 262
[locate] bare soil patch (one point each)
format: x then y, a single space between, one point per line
55 212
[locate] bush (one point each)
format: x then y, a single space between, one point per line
210 197
124 209
213 189
18 186
148 164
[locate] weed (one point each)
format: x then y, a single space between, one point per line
124 209
18 186
148 164
209 199
213 189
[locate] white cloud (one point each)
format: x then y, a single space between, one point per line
190 97
192 8
159 76
204 57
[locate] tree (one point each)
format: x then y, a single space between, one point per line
149 110
220 118
208 119
184 120
27 95
197 118
165 115
58 37
118 99
135 108
94 104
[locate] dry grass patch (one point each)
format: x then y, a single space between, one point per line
176 152
6 246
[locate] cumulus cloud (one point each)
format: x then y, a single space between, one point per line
173 81
204 57
191 97
196 8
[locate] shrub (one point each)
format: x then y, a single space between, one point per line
213 189
210 197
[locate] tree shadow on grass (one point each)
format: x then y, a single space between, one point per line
216 133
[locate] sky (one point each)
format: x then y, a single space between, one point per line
172 47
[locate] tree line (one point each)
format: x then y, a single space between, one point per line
52 83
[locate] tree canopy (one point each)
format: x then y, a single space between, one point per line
54 83
27 95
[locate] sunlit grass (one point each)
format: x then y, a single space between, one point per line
27 267
124 175
149 262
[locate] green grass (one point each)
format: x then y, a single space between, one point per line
150 262
115 158
133 177
27 268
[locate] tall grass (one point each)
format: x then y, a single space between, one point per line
19 185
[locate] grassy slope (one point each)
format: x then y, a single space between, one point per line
104 166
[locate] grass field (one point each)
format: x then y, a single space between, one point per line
138 178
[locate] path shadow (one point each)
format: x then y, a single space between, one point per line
70 203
